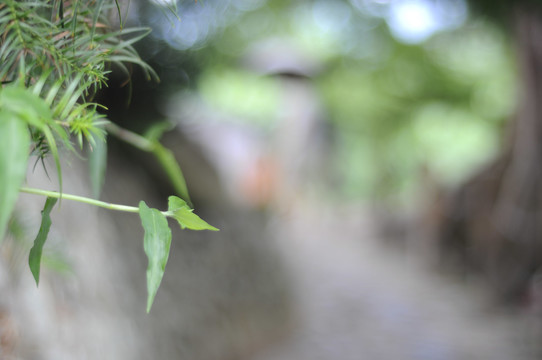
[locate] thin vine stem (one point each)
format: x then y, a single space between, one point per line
164 156
130 137
83 199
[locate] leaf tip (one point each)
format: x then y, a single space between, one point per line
36 275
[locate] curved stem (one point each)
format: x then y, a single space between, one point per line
83 199
130 137
164 156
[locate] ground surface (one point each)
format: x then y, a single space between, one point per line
357 299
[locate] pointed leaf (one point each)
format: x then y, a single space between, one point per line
185 216
97 11
26 105
120 15
156 244
14 149
170 165
34 259
34 111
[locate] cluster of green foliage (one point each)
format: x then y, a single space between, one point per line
398 111
54 57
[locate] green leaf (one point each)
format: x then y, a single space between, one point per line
34 259
185 215
26 105
14 149
97 11
155 132
120 15
173 170
156 244
54 150
33 110
97 163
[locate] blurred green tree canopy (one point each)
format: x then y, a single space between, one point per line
398 107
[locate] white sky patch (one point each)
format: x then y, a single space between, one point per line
413 21
165 3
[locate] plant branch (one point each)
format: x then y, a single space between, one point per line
130 137
86 200
164 156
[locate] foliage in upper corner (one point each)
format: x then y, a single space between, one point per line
54 56
62 51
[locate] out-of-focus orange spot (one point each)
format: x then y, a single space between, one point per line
259 184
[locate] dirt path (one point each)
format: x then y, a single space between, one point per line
357 300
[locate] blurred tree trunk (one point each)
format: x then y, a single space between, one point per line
494 221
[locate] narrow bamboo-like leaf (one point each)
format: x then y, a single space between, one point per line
61 12
53 91
120 15
155 132
156 244
54 151
14 148
38 86
172 169
149 72
97 162
34 258
112 38
97 11
185 215
74 18
75 88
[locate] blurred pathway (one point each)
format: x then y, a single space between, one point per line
357 300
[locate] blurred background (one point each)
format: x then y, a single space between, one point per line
382 92
373 166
